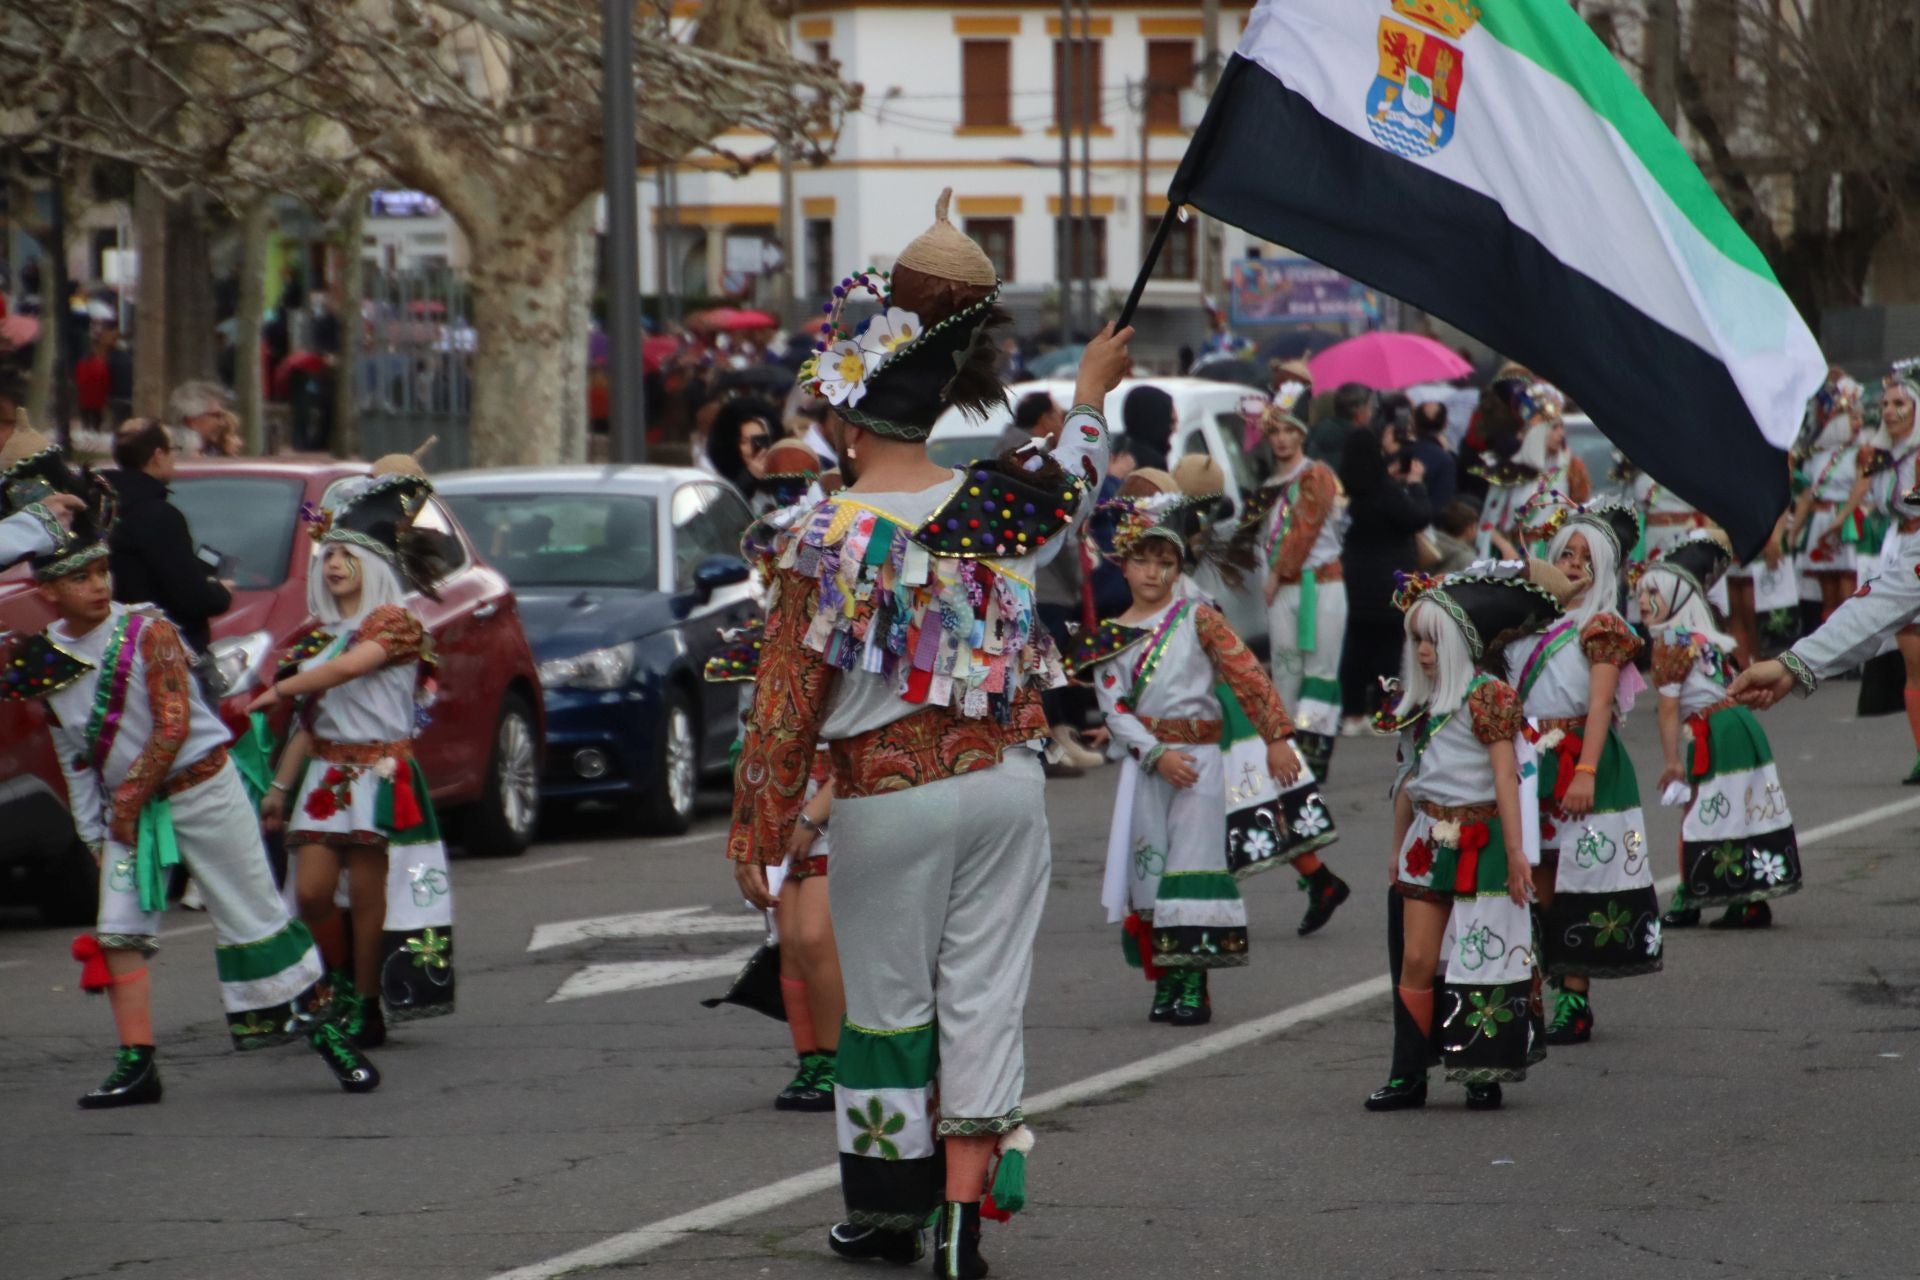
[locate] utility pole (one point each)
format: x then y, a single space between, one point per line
1089 309
54 305
1663 58
788 246
620 175
1212 271
1066 229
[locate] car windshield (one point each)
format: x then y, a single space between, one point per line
249 520
1232 426
564 539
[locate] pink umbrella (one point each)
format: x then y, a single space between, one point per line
1386 362
18 331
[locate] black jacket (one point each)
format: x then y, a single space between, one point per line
1383 516
154 560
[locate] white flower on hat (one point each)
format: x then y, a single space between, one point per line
843 373
886 333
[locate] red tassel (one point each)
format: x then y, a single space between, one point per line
1702 750
1466 872
1142 936
988 1209
95 977
406 806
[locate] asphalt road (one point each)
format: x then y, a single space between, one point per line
1747 1113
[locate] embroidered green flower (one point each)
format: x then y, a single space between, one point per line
1612 926
1489 1011
876 1129
429 950
1730 860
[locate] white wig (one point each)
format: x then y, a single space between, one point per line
1603 593
379 584
1453 665
1677 603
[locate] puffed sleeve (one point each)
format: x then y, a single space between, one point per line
395 630
1494 710
1672 664
1608 639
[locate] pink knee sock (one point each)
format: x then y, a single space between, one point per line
793 994
1420 1005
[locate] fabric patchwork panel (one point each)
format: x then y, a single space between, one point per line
419 892
883 1092
1603 853
1199 898
1483 1032
267 972
1613 934
1492 941
1735 870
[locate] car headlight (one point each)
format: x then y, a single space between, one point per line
236 662
606 668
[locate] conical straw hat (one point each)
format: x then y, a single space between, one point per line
944 251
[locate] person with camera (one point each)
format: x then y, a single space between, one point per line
1387 508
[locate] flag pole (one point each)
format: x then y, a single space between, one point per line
1154 247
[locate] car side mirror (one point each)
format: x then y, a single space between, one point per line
716 572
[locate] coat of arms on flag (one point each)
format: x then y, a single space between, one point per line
1414 100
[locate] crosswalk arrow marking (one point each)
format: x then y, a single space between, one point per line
674 922
638 975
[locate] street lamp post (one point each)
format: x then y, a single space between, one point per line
626 403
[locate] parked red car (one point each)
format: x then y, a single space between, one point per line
482 749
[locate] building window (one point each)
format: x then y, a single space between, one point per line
1085 108
1088 252
995 235
986 83
1169 70
1179 256
820 277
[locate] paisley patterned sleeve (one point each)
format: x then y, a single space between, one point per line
1494 709
789 702
1318 492
1672 664
169 683
1607 638
1579 481
1243 674
396 631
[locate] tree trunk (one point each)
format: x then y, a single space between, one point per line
346 370
40 380
529 285
150 386
190 312
248 379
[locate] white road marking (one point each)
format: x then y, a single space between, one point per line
643 1240
639 975
674 922
525 867
692 837
15 964
186 931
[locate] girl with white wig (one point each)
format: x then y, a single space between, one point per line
1737 844
1460 863
1827 524
1595 880
348 787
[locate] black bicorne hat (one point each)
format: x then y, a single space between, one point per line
73 549
33 467
1492 609
954 363
379 518
1701 559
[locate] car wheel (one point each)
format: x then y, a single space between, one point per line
663 803
502 824
69 891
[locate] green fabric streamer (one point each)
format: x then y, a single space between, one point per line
155 853
252 755
1308 638
1010 1181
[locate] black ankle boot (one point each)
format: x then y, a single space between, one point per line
360 1019
1164 992
1483 1097
1679 915
1192 1005
1399 1095
1747 915
352 1068
1572 1018
134 1080
956 1242
1325 892
876 1244
812 1088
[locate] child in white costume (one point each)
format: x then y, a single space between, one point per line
1158 670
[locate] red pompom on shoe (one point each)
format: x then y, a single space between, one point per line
94 974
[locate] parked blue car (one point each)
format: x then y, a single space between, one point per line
625 577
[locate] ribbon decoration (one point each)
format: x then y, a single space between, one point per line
155 853
1309 635
1474 837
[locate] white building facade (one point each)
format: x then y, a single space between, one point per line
966 96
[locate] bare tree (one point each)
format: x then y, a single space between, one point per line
488 105
1799 113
